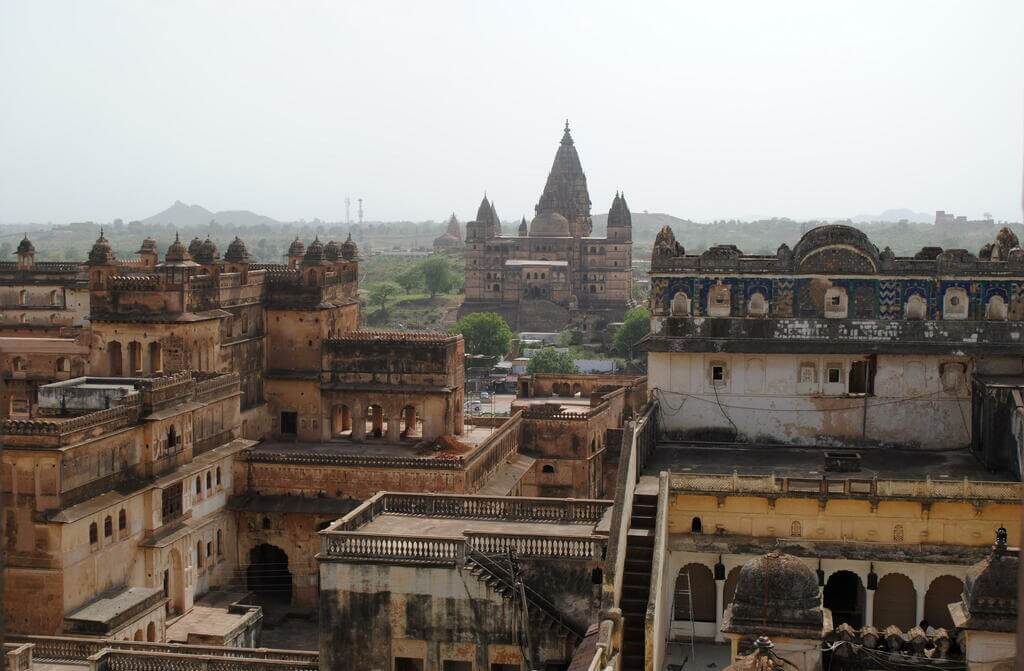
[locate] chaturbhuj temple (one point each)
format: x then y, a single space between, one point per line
551 272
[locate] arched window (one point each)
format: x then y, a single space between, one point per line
696 526
94 536
897 533
757 306
719 301
199 554
199 485
266 522
548 468
122 520
917 308
996 308
220 545
156 358
954 303
218 476
172 437
53 297
796 529
23 297
63 365
18 364
108 527
209 480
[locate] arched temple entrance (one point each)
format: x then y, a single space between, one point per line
268 575
844 596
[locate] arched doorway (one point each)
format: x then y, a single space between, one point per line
844 596
943 591
268 575
895 602
702 593
138 635
411 427
151 632
729 589
341 421
174 583
156 358
114 358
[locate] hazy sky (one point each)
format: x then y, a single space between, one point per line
701 109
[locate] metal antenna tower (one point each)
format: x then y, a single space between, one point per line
360 211
348 210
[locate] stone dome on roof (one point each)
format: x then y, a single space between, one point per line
26 246
349 249
776 592
296 248
101 252
836 248
177 253
549 225
990 589
315 251
194 246
207 252
332 250
237 252
148 246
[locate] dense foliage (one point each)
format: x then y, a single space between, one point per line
382 292
485 333
635 326
550 360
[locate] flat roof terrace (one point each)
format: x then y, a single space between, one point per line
809 462
453 446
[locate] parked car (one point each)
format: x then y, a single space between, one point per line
485 396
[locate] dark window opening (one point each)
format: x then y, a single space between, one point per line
94 535
718 373
696 527
108 527
834 375
861 378
408 664
266 522
456 665
290 423
122 520
548 468
171 506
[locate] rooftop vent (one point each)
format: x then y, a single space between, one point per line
842 462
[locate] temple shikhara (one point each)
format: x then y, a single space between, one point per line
552 272
821 469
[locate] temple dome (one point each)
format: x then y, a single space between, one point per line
549 225
836 248
332 251
195 247
148 247
237 253
777 594
296 248
26 246
207 252
101 252
349 249
315 251
990 590
177 253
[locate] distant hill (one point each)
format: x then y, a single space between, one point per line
895 216
647 224
190 216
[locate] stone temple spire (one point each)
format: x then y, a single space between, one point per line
566 189
522 228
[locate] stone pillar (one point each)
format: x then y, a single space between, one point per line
394 425
719 609
377 419
358 422
920 606
869 608
410 419
346 418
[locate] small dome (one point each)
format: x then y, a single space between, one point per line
349 250
195 246
177 253
237 253
332 251
101 253
775 593
315 251
25 246
990 588
148 247
207 252
296 248
549 225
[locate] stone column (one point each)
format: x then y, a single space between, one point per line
869 608
358 422
920 606
394 434
377 421
719 609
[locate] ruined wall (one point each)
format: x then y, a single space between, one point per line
917 401
429 613
183 346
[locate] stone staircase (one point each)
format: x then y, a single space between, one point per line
493 572
636 580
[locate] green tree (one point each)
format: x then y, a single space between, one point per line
550 360
411 279
437 274
381 293
635 326
485 333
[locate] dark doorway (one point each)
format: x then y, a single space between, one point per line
860 378
289 423
268 575
844 596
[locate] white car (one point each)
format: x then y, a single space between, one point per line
485 396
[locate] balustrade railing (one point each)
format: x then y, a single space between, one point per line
77 649
352 545
496 507
110 659
16 657
493 452
537 545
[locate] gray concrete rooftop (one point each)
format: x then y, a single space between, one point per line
807 462
472 437
446 527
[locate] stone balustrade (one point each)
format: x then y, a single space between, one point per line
79 649
537 545
498 447
356 545
110 659
511 508
855 487
17 657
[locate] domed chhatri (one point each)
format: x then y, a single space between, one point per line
25 246
148 246
177 253
349 249
101 252
195 247
207 252
836 247
989 600
315 251
332 250
777 595
296 248
237 253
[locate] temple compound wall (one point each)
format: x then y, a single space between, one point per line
832 342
